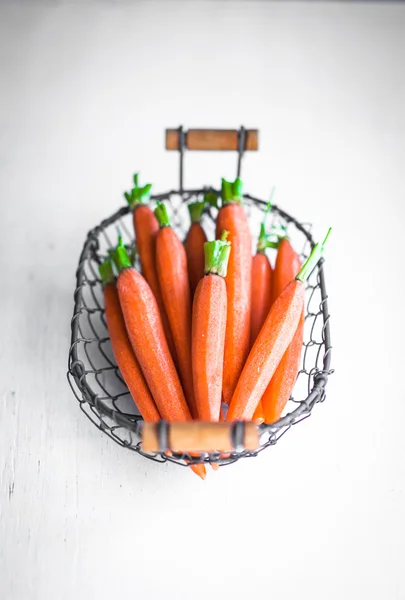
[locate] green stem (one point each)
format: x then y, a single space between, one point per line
217 256
211 198
138 195
313 259
161 215
231 191
120 256
196 209
106 271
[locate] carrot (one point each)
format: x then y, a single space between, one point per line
146 229
262 277
208 330
232 218
145 331
281 384
258 415
122 349
171 263
194 246
276 334
262 280
287 266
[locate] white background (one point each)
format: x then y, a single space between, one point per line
87 90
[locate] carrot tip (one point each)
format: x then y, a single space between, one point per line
199 470
215 466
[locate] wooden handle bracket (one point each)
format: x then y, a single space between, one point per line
198 436
239 140
212 139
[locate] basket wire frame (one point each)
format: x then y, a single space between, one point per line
92 371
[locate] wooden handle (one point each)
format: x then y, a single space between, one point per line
197 436
212 139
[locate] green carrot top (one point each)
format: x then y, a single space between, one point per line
106 271
162 215
231 191
313 259
211 198
138 195
264 240
217 255
196 209
120 256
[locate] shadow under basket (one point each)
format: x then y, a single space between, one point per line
97 383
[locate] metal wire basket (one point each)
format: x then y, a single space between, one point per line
92 371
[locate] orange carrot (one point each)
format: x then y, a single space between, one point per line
287 266
171 263
232 218
122 349
146 228
262 280
145 331
276 334
281 384
208 330
258 415
194 246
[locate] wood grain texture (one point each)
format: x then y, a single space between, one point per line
199 437
212 139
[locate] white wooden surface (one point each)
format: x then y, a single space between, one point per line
87 89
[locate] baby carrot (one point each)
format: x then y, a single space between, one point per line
276 334
232 218
146 334
122 349
208 330
171 263
281 384
262 280
262 277
287 266
146 228
194 245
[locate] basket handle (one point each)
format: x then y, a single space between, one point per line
212 139
197 436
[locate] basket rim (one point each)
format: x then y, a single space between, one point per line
76 367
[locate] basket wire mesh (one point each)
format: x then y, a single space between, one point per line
92 371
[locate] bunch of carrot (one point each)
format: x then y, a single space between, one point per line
205 323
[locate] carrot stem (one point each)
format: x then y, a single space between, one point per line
138 195
231 191
313 259
120 256
162 215
106 271
211 198
196 209
217 256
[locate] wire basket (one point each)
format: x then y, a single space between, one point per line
92 371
